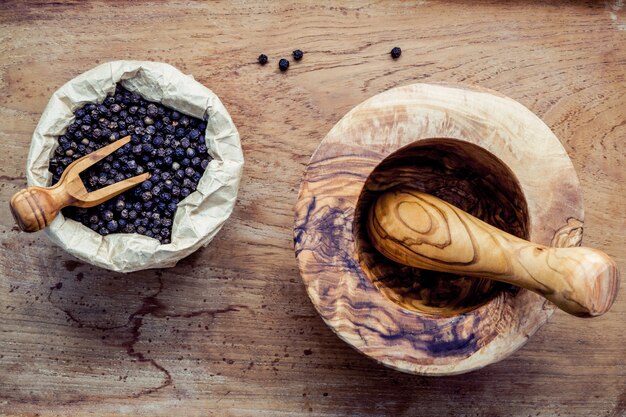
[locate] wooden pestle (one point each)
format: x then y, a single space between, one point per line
423 231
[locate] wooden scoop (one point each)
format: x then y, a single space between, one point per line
420 230
35 207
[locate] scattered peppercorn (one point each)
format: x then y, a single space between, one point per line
283 64
262 59
297 54
157 134
396 52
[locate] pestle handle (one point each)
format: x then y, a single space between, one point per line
420 230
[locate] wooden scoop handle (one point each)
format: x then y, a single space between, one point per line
35 207
420 230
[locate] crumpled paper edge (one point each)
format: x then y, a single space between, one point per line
199 216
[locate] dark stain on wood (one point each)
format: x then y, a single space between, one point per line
71 265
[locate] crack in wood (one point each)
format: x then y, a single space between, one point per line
150 306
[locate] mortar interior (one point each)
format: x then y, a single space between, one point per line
462 174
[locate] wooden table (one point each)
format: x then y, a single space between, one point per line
230 330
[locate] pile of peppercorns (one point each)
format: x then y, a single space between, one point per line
167 144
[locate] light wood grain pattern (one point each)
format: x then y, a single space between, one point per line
423 231
35 207
108 344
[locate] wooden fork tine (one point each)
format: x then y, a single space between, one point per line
96 197
88 160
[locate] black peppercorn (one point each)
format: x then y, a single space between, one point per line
396 52
262 59
119 205
107 215
112 226
283 64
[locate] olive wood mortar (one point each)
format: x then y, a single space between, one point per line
423 231
475 149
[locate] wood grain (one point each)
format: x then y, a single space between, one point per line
423 231
76 340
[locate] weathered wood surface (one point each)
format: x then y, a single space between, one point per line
230 330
